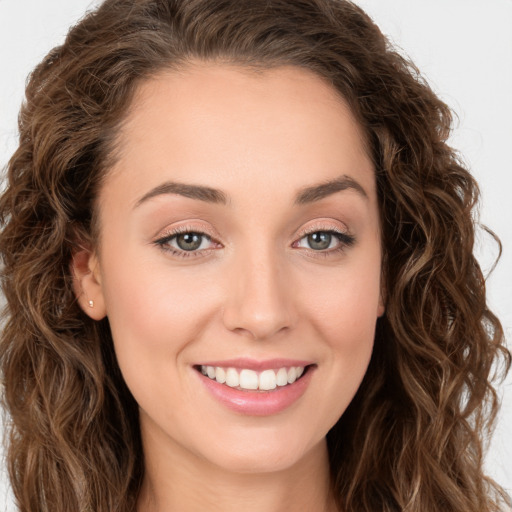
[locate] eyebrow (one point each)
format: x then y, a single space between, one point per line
200 192
305 195
317 192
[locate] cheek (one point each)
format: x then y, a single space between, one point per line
347 326
350 316
345 308
343 314
153 319
152 315
143 293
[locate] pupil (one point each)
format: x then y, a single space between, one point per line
189 241
320 240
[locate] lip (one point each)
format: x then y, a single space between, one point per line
258 403
258 366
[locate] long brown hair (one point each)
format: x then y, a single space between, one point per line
411 440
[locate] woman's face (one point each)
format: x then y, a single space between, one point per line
240 231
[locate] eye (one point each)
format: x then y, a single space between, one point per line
325 241
185 243
320 240
190 241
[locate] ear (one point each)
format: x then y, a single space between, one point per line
381 307
87 283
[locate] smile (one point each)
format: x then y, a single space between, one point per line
256 388
247 379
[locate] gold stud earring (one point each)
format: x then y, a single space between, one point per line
91 303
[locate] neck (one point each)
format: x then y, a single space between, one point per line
176 479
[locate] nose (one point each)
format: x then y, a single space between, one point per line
259 300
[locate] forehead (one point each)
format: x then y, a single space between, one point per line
226 126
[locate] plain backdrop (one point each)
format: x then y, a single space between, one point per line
463 47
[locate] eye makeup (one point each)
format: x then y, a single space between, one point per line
320 235
191 242
170 240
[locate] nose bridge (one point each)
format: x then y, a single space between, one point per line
258 299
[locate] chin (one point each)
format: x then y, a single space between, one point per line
262 454
256 463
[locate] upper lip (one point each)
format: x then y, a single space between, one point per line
254 364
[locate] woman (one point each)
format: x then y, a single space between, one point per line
239 273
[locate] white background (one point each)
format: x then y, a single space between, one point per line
463 47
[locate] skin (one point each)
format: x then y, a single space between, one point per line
258 289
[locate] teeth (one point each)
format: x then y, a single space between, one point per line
292 375
220 375
282 377
248 379
268 380
232 379
251 380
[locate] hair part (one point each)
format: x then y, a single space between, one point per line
411 440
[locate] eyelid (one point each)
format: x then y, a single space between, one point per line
185 225
345 240
321 226
185 228
168 234
344 237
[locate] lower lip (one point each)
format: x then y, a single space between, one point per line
258 403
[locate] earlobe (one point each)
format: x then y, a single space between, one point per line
87 283
381 307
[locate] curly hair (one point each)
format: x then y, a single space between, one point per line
412 438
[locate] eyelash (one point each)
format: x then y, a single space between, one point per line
345 241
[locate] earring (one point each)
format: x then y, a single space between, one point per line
91 303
